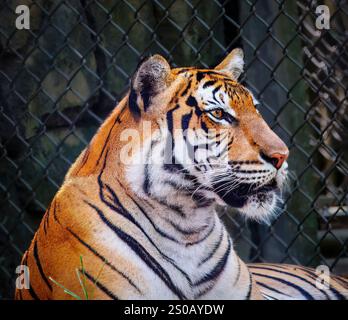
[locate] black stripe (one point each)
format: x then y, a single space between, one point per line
341 281
304 293
170 142
314 276
204 291
173 167
146 189
198 112
99 285
187 88
186 232
55 212
192 102
170 119
213 274
271 289
184 190
84 159
238 272
248 295
212 102
121 210
204 126
214 93
46 222
292 275
157 229
161 232
334 291
107 139
222 151
178 168
209 83
200 74
19 294
201 200
25 259
212 252
90 248
117 120
32 292
38 263
191 148
204 238
176 209
133 105
146 184
141 252
147 89
185 121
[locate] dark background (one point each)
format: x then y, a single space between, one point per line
60 79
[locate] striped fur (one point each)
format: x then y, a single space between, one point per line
289 282
147 229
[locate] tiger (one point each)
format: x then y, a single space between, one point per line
136 217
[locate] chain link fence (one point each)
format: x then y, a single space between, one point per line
62 76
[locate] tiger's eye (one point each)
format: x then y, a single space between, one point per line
218 114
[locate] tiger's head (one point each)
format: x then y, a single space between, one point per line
208 141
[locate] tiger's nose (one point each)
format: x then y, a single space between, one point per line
276 159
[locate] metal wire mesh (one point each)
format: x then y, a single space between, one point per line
60 78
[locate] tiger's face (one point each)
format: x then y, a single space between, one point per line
211 140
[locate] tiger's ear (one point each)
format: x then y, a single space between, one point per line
232 64
151 77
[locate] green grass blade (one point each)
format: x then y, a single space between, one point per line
97 278
67 291
83 281
82 284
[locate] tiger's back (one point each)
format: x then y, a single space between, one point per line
292 282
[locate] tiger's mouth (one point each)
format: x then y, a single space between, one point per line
238 197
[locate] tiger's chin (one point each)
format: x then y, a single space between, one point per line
261 207
257 204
